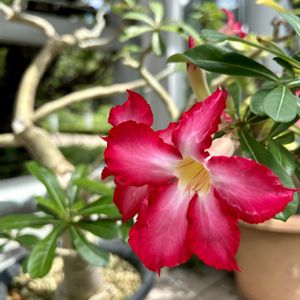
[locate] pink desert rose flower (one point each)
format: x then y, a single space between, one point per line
232 27
188 200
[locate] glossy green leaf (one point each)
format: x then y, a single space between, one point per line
73 189
27 240
158 45
256 103
135 31
105 229
286 138
104 206
49 205
213 36
55 191
285 65
137 16
41 257
88 251
278 128
235 91
253 149
157 9
94 186
284 157
280 104
270 45
220 60
21 221
293 20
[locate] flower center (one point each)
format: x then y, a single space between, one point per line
193 176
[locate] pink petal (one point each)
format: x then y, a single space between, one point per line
193 134
137 156
213 236
105 173
166 134
129 199
249 190
222 146
159 237
232 27
135 108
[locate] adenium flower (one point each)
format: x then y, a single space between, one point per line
188 195
232 27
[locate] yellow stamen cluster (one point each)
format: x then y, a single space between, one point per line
193 177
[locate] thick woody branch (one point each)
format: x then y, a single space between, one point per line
8 140
59 139
27 90
35 21
39 144
92 93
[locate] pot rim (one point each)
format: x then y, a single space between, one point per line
292 225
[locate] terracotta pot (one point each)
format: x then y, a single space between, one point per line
269 259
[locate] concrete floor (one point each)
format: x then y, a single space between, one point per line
199 283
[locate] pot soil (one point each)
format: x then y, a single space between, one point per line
269 259
124 278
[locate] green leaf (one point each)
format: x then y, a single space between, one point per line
286 138
104 206
49 205
284 157
93 186
105 229
220 60
49 180
235 90
158 45
184 30
256 104
293 20
270 45
27 240
73 189
21 221
278 128
253 149
137 16
124 229
88 251
214 36
134 31
286 65
41 257
280 104
158 10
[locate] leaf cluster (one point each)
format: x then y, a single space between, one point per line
69 213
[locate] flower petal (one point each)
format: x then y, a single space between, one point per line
105 173
137 156
166 134
193 134
212 235
250 190
159 237
135 109
222 146
129 199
